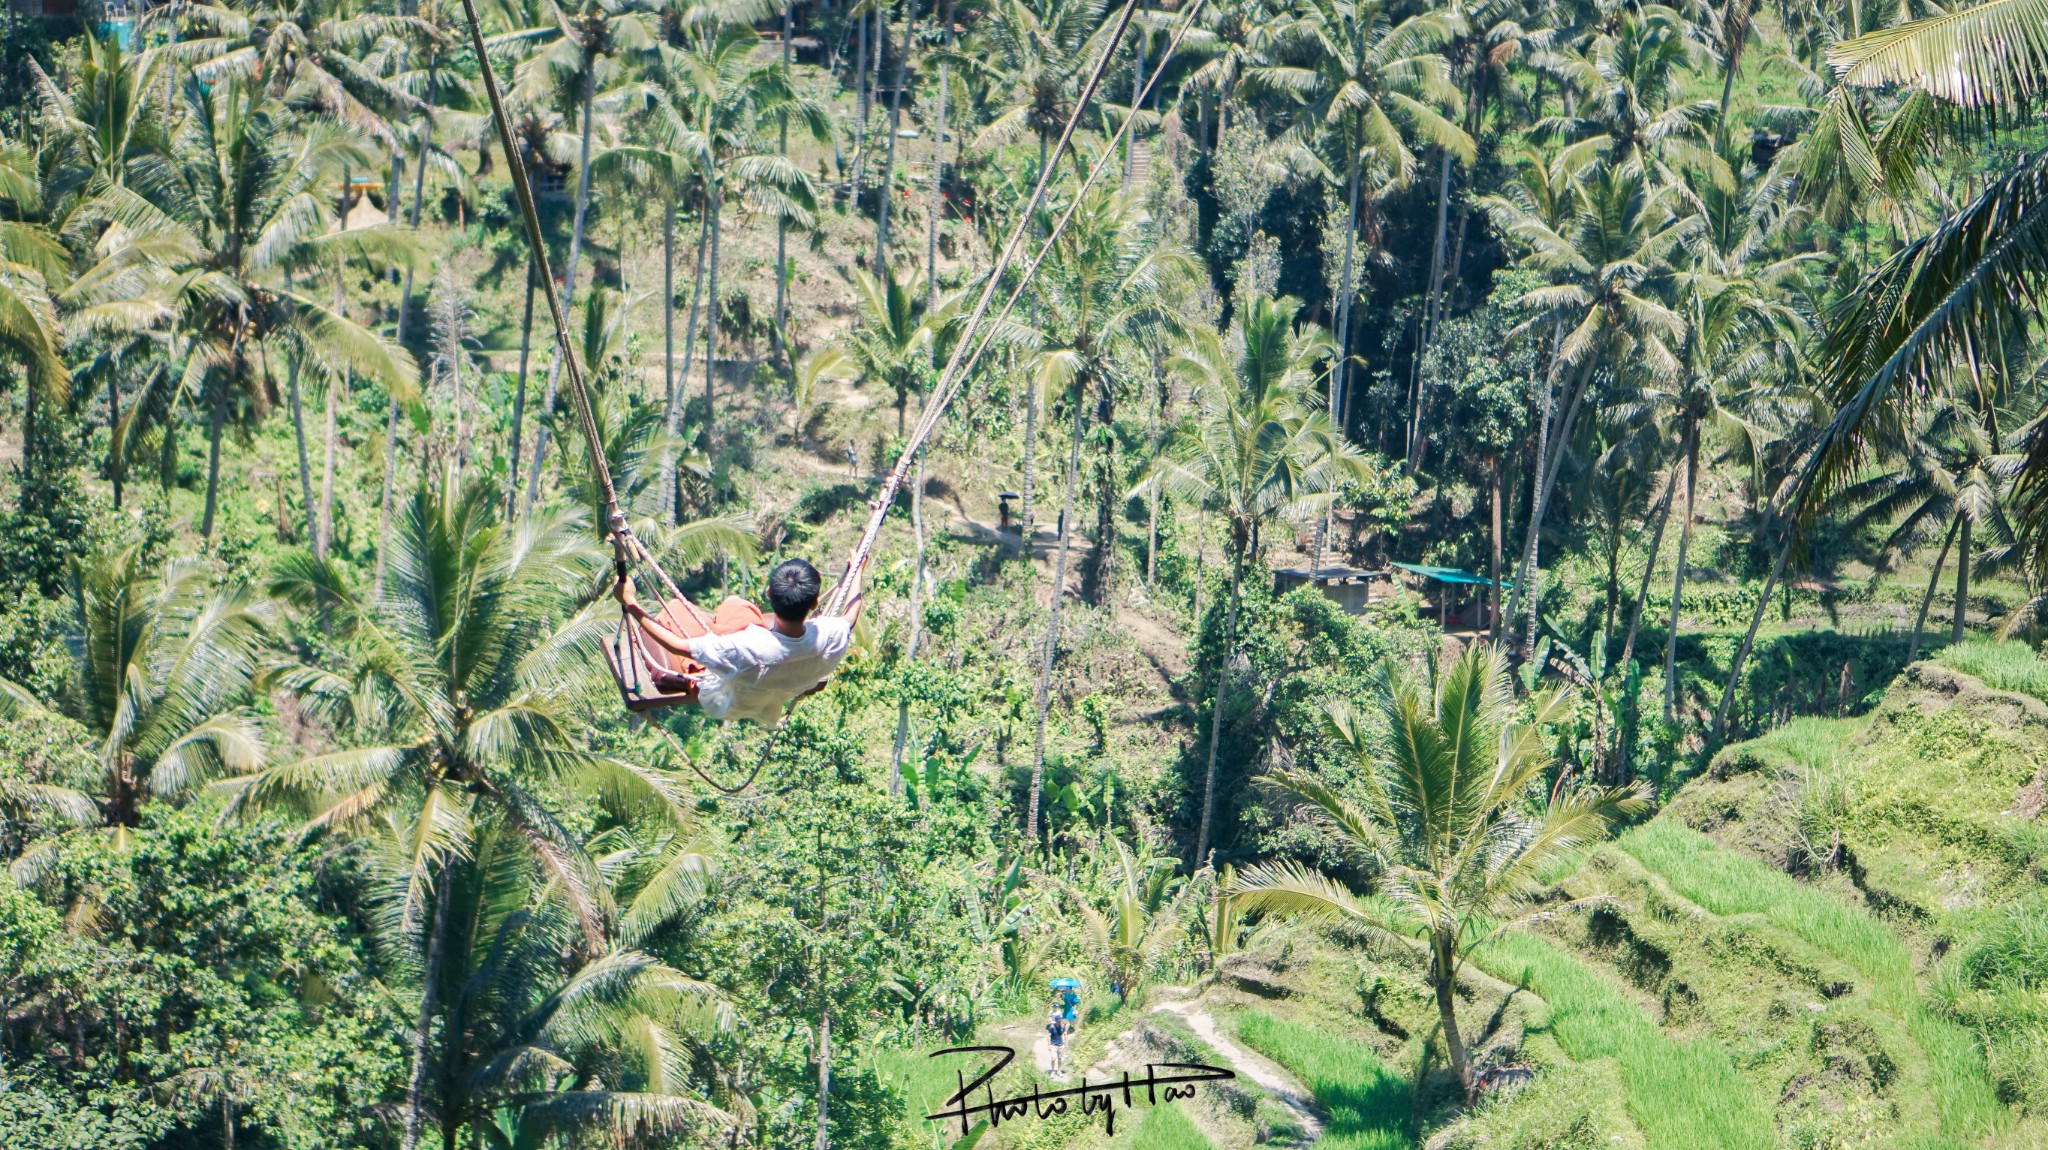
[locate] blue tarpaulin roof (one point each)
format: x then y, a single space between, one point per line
1449 575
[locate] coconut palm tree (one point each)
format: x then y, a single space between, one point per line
1101 284
1143 917
1628 83
892 342
308 53
160 660
243 191
1739 333
1948 477
577 50
1029 60
541 1036
1938 307
1370 86
458 700
1256 448
31 259
1618 237
1452 816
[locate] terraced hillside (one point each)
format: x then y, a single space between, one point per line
1836 937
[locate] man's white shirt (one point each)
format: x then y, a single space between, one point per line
754 673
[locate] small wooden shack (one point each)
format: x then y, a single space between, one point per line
1348 587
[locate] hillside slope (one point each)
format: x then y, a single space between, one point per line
1832 939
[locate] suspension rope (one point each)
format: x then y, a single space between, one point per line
957 364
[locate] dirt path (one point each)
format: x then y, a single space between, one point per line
1253 1067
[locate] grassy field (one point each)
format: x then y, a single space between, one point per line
1168 1128
1684 1095
2002 666
1370 1107
1727 883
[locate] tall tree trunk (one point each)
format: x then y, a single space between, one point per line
213 433
824 1138
711 310
1635 618
937 200
860 104
1525 584
419 191
916 625
335 390
781 221
1692 452
1104 559
1933 578
889 158
1444 974
430 985
114 461
1347 287
519 391
547 405
291 377
1030 448
1962 584
668 306
1216 709
1427 334
1137 94
1052 628
1493 550
675 411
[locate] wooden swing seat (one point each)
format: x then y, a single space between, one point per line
639 665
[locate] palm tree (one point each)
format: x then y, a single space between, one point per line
30 259
1738 332
1606 256
1947 477
309 53
1627 83
534 1044
160 661
892 342
1257 448
1100 285
1452 816
1370 85
242 192
459 706
1941 302
579 51
1031 56
1143 917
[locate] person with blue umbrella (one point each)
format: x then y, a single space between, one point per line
1067 996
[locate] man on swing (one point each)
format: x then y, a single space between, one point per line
737 663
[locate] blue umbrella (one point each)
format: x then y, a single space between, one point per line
1066 984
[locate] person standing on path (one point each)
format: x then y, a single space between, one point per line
1056 1037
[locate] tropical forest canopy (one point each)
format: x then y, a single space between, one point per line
1477 563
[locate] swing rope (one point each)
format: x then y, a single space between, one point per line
628 550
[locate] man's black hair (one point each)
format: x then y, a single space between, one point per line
793 590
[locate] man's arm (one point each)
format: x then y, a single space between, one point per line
655 630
